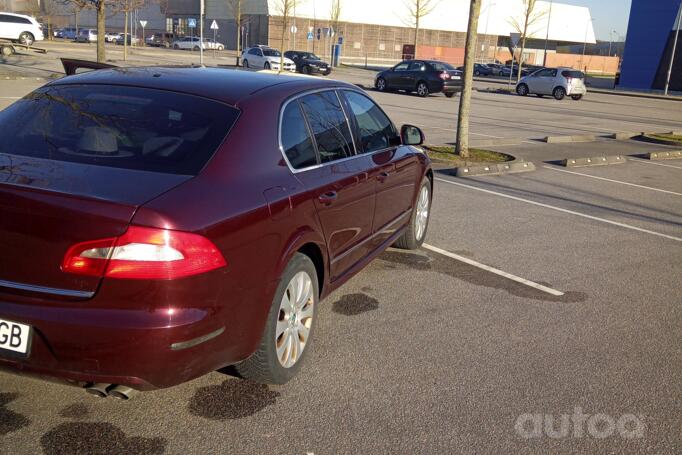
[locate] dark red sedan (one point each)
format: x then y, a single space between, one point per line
161 223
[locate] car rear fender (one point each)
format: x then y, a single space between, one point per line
303 238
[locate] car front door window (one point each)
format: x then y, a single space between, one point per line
376 131
329 126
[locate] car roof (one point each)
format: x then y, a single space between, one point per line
221 84
16 14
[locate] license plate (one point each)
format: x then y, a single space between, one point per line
456 77
14 336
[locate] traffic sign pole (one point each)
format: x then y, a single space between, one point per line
143 24
201 32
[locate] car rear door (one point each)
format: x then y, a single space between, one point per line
415 73
317 142
395 169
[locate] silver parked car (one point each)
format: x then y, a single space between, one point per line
557 82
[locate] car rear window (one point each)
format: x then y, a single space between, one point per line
115 126
439 66
573 74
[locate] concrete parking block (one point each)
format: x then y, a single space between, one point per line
624 135
657 156
593 161
493 169
566 139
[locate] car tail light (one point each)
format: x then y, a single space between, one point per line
445 75
144 254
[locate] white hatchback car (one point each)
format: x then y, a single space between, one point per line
557 82
20 28
192 43
266 58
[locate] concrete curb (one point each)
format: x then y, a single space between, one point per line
649 138
658 156
569 139
634 94
593 161
623 135
512 167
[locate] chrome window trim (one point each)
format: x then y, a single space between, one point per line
317 166
345 115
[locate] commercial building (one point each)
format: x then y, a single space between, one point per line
649 46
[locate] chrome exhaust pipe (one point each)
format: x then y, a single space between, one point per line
121 392
98 389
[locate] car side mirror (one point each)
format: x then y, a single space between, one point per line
411 135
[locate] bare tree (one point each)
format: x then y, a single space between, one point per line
285 8
416 11
235 7
462 147
530 18
50 11
100 7
126 7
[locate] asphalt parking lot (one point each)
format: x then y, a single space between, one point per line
548 293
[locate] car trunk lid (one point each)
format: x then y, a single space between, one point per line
48 206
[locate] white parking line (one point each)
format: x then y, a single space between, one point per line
641 161
570 212
487 268
551 168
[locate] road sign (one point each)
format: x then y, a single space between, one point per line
294 29
515 38
143 24
192 22
214 25
310 36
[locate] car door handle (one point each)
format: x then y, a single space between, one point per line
383 176
328 198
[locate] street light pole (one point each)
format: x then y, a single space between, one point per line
549 21
672 57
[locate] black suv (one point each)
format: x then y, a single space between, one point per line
308 63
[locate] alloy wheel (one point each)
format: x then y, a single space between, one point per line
422 218
294 320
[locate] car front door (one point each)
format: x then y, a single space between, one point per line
395 168
414 74
338 180
542 81
396 77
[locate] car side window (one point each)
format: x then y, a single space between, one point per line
376 129
417 66
553 73
253 52
23 20
545 73
329 126
402 67
296 141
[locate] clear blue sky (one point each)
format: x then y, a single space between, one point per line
607 14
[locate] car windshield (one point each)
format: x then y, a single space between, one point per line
310 56
271 53
441 66
117 126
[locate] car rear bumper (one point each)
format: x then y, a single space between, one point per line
130 342
451 86
576 90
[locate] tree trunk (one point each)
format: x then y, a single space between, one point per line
125 36
417 16
465 100
523 43
101 56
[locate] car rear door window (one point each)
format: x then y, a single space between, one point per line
117 126
417 66
376 131
328 125
296 141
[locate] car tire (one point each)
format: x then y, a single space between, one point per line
450 94
422 89
576 97
381 84
522 90
175 46
477 73
415 234
245 63
196 48
220 48
266 66
305 70
26 38
274 362
559 93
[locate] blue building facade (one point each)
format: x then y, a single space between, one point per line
648 48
